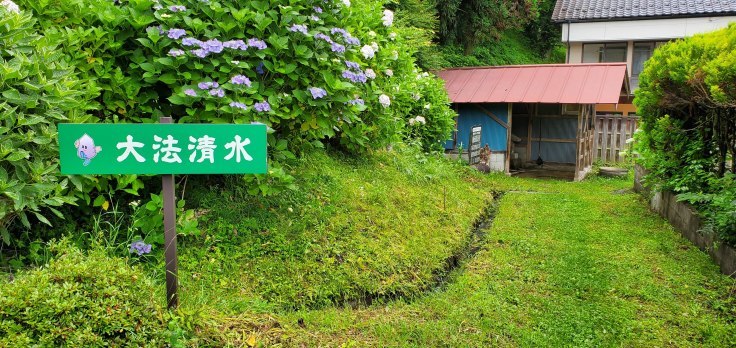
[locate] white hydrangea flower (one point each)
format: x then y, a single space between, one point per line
374 45
372 33
369 73
346 3
421 119
368 52
394 55
411 121
384 100
392 36
389 72
428 106
10 6
388 17
416 96
425 74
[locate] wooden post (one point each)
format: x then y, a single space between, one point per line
169 199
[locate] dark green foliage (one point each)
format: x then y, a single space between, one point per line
81 300
469 23
543 33
687 99
513 48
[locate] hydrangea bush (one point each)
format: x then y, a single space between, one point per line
259 61
313 71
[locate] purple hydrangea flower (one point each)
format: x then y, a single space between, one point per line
259 69
235 44
201 53
238 105
217 92
317 92
140 247
190 41
301 28
176 33
356 101
352 41
340 31
262 107
212 46
317 9
313 18
352 65
256 43
355 77
177 8
190 92
323 37
240 80
208 85
176 52
336 47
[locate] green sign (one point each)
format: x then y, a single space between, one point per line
162 148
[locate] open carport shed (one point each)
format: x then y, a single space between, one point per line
547 110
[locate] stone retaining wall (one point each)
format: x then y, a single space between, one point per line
686 220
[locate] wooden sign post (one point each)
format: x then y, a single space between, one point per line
165 149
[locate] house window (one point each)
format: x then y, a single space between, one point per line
642 52
604 52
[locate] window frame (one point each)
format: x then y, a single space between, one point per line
602 53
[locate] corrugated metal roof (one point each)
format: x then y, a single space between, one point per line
591 10
599 83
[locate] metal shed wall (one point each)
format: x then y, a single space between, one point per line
493 133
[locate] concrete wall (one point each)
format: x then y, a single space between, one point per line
686 220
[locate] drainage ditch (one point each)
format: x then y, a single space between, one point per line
474 243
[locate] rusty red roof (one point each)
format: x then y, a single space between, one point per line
599 83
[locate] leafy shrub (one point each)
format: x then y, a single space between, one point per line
687 100
303 68
148 61
81 300
38 91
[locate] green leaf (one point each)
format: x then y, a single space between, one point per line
99 201
168 78
42 218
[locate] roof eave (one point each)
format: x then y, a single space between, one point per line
639 18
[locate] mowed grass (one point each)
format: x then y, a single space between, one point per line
564 264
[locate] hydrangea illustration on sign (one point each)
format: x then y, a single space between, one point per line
86 148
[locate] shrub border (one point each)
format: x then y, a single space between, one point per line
685 219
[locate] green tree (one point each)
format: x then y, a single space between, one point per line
541 31
472 22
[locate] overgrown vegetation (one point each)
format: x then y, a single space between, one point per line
38 90
687 99
355 229
314 72
461 34
81 299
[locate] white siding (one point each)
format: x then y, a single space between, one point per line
650 29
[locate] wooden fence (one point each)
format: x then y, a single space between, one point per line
611 133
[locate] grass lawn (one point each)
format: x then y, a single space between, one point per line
564 264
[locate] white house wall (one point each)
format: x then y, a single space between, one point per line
652 29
